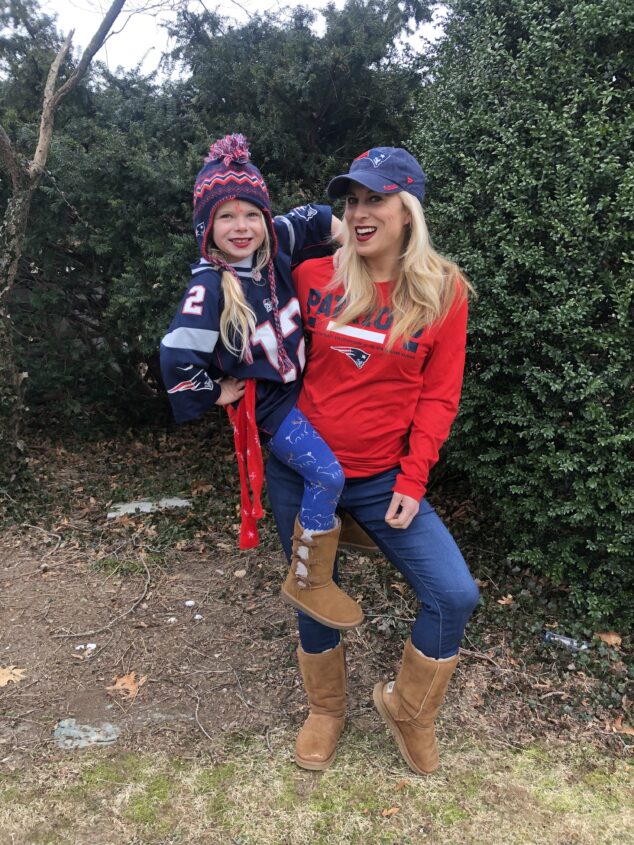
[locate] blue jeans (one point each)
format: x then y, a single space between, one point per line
425 554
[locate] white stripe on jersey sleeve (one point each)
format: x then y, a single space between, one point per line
291 232
198 340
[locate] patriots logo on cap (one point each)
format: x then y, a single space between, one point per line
377 159
358 356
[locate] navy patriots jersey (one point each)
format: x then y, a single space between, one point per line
193 356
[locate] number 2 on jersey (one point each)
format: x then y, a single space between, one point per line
194 302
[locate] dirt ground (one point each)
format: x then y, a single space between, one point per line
225 664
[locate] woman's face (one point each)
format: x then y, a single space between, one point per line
376 221
238 229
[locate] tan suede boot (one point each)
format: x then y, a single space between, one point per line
353 537
324 677
409 706
309 586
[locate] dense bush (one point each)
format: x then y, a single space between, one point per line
526 131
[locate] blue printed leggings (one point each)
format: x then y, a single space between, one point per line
425 553
297 445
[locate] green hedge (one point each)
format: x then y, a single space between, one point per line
525 128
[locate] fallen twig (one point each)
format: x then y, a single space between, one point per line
198 722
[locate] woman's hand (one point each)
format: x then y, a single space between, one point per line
231 390
401 511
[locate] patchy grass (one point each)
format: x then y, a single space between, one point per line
251 793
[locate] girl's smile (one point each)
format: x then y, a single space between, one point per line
238 230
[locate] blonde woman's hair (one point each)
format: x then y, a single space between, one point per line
424 290
237 321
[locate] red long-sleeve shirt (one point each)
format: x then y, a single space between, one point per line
378 408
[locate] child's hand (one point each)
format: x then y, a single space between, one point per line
231 390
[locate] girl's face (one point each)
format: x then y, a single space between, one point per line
238 230
376 221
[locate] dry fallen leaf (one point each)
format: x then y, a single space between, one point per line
391 812
402 784
199 488
127 685
10 673
506 600
610 638
621 728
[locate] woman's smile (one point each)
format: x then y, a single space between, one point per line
364 233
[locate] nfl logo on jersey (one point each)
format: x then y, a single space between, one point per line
306 212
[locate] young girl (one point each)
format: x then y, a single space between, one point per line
237 338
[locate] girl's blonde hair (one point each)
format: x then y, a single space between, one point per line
424 290
237 321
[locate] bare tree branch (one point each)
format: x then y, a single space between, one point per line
95 44
48 109
53 99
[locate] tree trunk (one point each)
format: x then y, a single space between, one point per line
10 403
11 394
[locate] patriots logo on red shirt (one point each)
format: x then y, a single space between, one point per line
358 356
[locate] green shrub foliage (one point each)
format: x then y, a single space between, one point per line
525 128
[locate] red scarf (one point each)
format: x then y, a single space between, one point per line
250 465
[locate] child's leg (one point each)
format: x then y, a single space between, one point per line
300 447
309 585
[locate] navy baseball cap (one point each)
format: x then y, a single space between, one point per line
386 170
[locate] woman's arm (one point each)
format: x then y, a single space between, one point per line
436 408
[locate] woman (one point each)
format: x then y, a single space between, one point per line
387 333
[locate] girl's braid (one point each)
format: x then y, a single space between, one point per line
285 362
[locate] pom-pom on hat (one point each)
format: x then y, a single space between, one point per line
386 170
228 174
